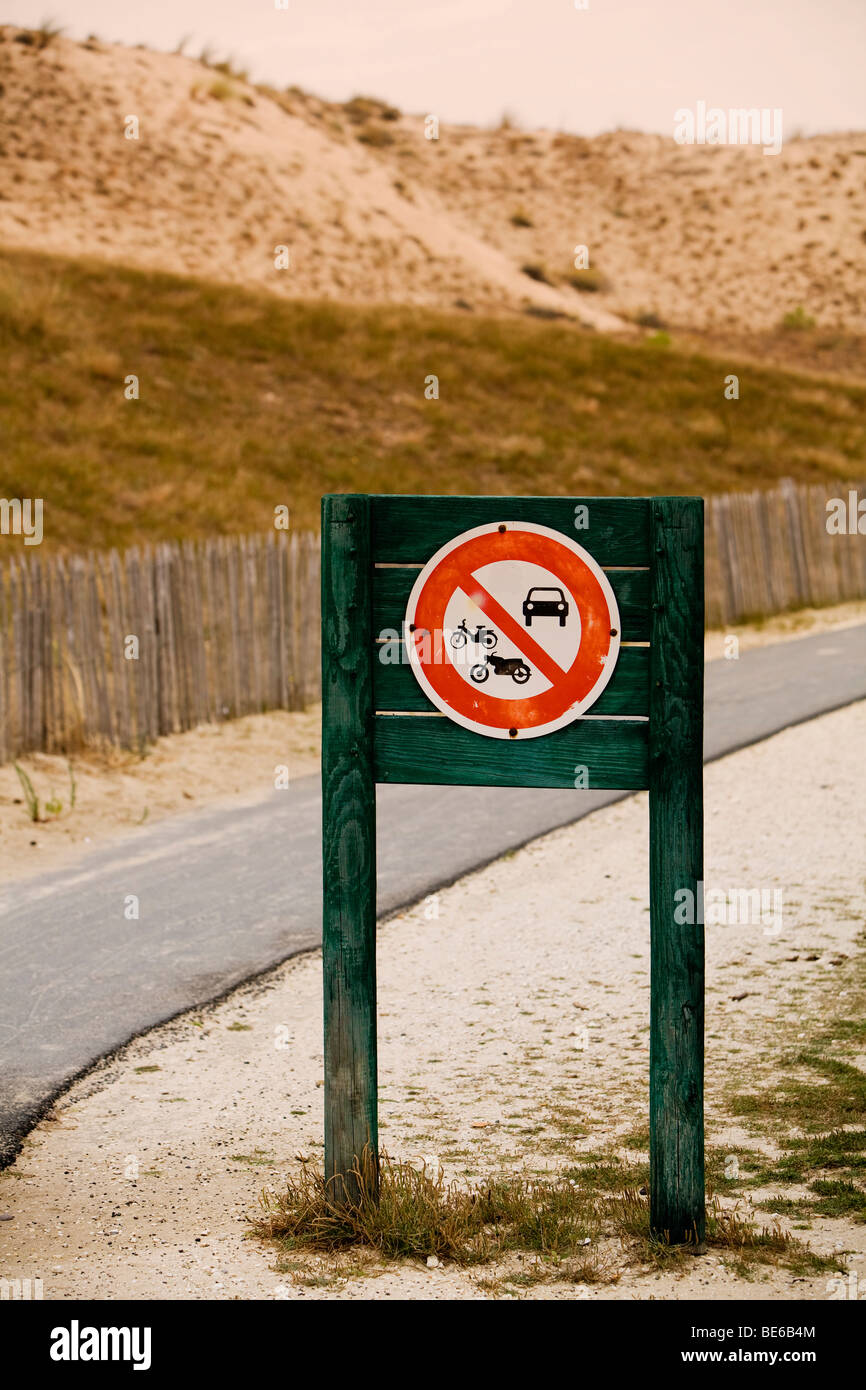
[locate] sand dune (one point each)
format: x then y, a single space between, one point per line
224 172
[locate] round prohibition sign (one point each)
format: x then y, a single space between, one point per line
512 630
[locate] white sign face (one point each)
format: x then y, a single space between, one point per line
512 630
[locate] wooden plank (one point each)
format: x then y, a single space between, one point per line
5 662
293 615
272 617
408 530
392 587
432 749
282 598
99 645
142 579
116 629
306 619
229 558
247 554
715 608
676 864
61 739
831 549
794 533
312 626
348 846
136 670
36 691
23 662
194 565
16 597
163 659
396 689
85 641
721 520
72 675
213 666
177 597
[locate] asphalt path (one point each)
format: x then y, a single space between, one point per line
227 894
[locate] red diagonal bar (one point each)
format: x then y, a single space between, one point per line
523 640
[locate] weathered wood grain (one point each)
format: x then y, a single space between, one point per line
676 865
421 748
397 690
408 530
348 845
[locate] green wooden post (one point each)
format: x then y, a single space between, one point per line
348 845
677 1202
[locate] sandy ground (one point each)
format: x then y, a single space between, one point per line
116 794
141 1182
220 765
221 173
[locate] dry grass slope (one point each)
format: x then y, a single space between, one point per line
248 401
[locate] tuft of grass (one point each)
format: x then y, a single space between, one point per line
839 1152
377 136
419 1214
812 1106
608 1174
229 68
839 1198
736 1236
563 1220
537 272
47 32
221 90
53 805
830 1198
30 797
797 319
650 319
362 109
589 281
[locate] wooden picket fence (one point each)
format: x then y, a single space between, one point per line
769 552
224 628
230 626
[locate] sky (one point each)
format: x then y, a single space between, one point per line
629 63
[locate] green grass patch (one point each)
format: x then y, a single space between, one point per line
259 1158
839 1098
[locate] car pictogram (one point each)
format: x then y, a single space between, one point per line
545 603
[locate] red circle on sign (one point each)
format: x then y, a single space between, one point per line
571 690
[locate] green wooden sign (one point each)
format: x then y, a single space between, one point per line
646 555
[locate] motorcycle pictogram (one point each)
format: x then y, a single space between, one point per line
482 636
513 666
